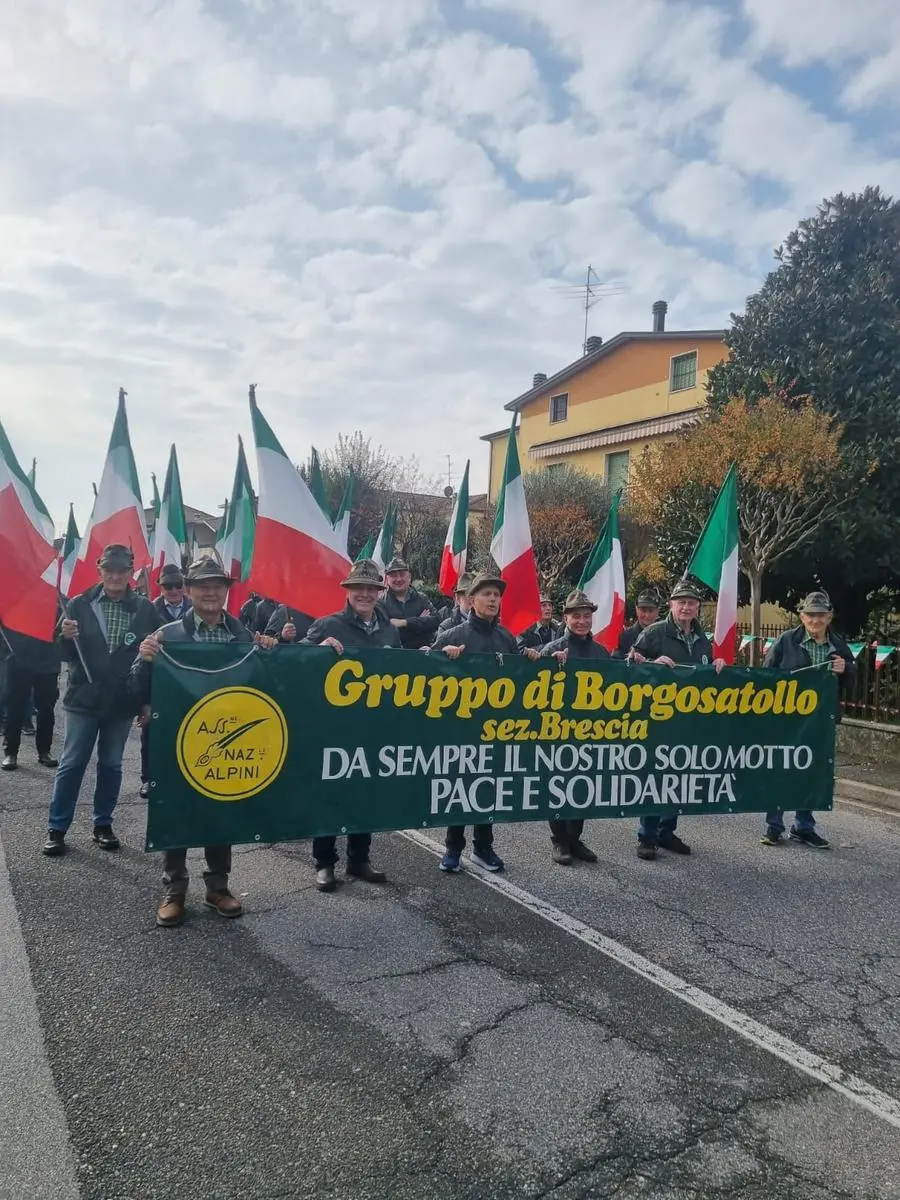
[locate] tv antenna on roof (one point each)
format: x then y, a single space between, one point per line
591 291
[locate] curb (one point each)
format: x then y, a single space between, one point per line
854 793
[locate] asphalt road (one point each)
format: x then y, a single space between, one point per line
441 1038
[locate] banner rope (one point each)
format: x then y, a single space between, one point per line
207 670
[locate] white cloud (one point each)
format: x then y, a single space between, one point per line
363 206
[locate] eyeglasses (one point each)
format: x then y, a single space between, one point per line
172 587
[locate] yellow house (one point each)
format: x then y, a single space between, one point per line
607 405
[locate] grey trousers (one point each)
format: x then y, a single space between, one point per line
175 873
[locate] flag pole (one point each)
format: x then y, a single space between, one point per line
65 608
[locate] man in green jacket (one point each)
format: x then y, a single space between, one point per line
812 644
675 641
99 639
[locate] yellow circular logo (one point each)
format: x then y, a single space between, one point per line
233 743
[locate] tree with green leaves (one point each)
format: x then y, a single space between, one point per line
786 458
826 323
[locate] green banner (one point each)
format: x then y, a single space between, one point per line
273 745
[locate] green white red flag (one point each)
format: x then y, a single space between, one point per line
511 547
603 581
453 556
68 553
170 531
715 563
298 558
237 537
118 515
342 520
384 543
28 596
882 654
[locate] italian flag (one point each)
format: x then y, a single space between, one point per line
118 515
453 558
28 596
603 580
882 654
170 530
511 546
298 558
384 543
237 535
342 520
68 553
715 563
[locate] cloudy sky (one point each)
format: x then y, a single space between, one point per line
366 206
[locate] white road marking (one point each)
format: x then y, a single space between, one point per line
879 809
852 1087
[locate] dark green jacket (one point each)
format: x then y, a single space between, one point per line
578 647
351 631
788 654
420 629
478 636
665 638
109 695
537 636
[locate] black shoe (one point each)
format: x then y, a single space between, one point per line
105 838
582 852
561 854
144 791
646 849
772 836
809 837
10 763
672 842
366 872
325 881
55 843
28 729
47 760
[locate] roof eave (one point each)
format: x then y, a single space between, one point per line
588 360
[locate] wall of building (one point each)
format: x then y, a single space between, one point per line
631 385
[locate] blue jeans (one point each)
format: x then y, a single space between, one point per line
82 731
804 821
652 828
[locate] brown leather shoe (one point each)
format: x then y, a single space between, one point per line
224 903
170 912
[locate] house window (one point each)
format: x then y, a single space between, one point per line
617 470
684 372
552 468
559 408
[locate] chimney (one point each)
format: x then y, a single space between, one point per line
593 344
539 378
660 308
